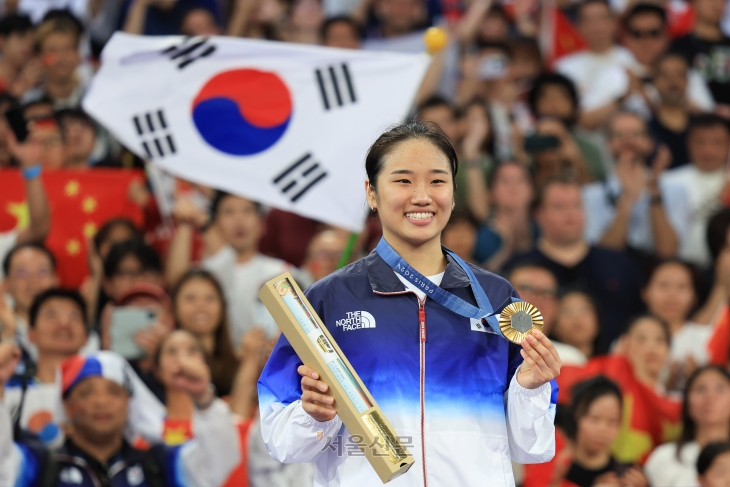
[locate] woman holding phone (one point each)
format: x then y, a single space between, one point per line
439 372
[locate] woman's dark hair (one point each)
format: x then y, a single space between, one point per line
387 142
146 255
648 316
691 270
709 453
554 79
597 344
585 394
223 362
106 229
689 427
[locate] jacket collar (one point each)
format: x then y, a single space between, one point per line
384 280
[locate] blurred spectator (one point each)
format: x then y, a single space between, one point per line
610 277
200 309
58 330
129 263
537 285
324 254
199 22
39 216
238 265
304 22
596 416
555 96
555 153
646 36
645 343
117 331
97 394
57 42
397 18
576 328
708 142
79 137
112 232
670 118
650 417
460 235
164 17
706 49
19 70
635 209
670 294
30 269
600 72
705 419
47 133
713 465
176 349
510 228
38 109
341 31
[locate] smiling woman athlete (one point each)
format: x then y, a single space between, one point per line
439 376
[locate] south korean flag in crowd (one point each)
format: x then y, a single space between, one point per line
284 124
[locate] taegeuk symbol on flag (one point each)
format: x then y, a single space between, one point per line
287 125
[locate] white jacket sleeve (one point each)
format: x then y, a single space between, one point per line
11 459
530 422
291 435
211 456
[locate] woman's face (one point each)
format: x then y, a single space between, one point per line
718 475
646 347
414 193
178 346
670 293
600 425
198 307
512 187
708 400
577 323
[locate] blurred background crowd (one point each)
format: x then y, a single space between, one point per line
593 138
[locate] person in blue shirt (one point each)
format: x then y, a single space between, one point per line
428 349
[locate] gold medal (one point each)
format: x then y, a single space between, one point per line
518 320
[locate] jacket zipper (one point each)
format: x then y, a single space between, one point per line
422 323
422 376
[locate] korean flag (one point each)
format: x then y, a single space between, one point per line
284 124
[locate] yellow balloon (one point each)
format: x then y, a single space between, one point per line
435 39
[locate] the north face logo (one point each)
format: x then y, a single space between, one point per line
356 320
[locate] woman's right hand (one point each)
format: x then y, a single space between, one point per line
316 399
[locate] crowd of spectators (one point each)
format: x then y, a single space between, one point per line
593 137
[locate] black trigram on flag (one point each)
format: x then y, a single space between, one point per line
300 177
189 51
156 138
336 85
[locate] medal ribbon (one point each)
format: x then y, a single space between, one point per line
444 298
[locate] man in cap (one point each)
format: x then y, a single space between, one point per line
99 393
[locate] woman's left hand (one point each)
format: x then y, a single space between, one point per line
542 362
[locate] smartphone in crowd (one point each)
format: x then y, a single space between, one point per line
539 142
126 322
18 123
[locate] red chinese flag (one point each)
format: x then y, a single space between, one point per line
558 36
81 201
648 418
